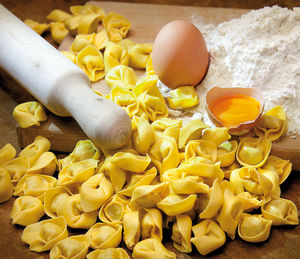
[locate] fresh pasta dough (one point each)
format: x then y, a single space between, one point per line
29 114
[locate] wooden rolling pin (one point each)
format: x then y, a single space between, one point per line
59 84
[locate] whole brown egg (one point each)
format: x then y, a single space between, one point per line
180 56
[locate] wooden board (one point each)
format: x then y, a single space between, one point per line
64 132
146 22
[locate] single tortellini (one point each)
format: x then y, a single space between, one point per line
126 99
150 98
7 153
116 26
164 153
71 247
35 185
211 202
202 148
72 23
147 196
118 253
39 28
216 135
90 60
142 136
57 15
208 236
138 179
281 212
112 210
132 228
127 43
88 23
181 233
175 204
101 39
151 248
122 76
272 124
71 210
29 114
81 41
115 55
230 213
183 97
105 235
94 192
139 55
17 168
69 55
58 31
77 173
167 127
26 210
43 235
53 199
6 186
254 228
282 167
34 150
274 178
46 164
189 131
250 201
151 223
253 151
227 155
149 67
84 149
87 9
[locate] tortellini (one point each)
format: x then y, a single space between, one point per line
29 114
17 168
71 247
115 55
101 39
90 60
132 228
26 210
139 55
45 164
88 23
81 41
42 236
58 31
122 76
181 233
118 253
69 55
39 28
57 15
71 210
202 148
183 97
254 228
7 153
151 248
116 26
167 127
6 186
151 223
105 235
208 236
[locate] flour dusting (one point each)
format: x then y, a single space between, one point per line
262 50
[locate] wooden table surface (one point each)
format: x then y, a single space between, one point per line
283 242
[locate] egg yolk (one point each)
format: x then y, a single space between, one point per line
231 111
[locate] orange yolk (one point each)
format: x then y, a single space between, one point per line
231 111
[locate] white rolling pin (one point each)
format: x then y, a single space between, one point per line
59 84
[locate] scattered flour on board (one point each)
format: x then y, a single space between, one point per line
262 50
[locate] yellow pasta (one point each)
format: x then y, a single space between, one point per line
151 248
132 228
39 28
72 23
43 235
149 67
139 55
29 114
208 236
127 43
181 233
227 156
151 223
57 15
45 164
116 26
87 9
105 235
88 23
101 39
69 55
183 97
216 135
81 41
118 253
121 76
167 127
6 186
7 153
250 201
26 210
71 247
115 55
58 31
90 60
17 168
202 148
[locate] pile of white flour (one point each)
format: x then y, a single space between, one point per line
262 50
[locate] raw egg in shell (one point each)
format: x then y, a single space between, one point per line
180 56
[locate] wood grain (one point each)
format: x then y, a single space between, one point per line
283 241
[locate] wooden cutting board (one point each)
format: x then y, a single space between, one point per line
146 22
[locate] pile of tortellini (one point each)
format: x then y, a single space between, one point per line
198 182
